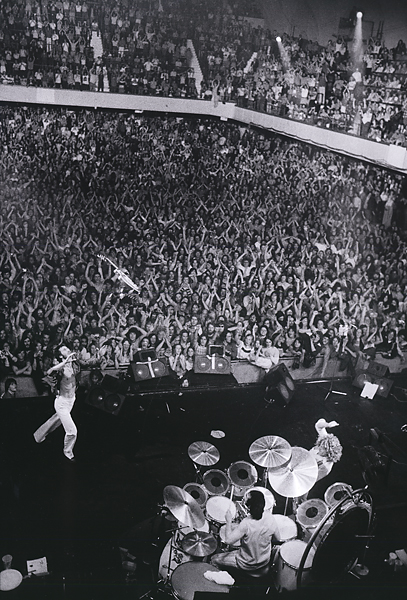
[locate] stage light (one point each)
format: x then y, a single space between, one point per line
359 15
278 39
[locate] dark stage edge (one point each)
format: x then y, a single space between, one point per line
78 515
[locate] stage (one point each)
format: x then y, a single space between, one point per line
79 515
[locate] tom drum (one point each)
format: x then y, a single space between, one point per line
286 529
216 509
287 563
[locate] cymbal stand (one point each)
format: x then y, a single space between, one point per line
198 473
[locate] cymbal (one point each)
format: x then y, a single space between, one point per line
298 477
182 505
203 453
270 451
199 543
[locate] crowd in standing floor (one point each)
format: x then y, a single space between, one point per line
268 247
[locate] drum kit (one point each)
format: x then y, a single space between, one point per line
200 510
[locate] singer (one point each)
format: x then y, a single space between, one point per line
63 404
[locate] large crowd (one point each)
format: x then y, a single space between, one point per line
146 51
121 233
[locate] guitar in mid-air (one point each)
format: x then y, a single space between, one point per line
121 274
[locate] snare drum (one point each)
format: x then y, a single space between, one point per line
189 578
198 493
286 529
216 509
288 561
223 544
216 482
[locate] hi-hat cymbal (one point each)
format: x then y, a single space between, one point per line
298 477
270 451
184 508
199 543
203 453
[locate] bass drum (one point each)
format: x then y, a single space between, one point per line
340 540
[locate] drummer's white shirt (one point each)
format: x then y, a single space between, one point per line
255 544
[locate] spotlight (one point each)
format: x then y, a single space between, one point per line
359 14
278 39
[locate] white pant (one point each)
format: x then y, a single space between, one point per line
62 416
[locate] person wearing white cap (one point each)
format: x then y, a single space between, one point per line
63 404
327 450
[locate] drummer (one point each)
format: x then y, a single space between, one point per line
255 533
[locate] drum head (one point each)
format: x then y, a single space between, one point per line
311 512
286 528
216 482
336 492
291 553
217 507
197 492
242 474
339 546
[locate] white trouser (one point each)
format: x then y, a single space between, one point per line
63 407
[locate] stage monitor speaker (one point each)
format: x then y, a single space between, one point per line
145 355
384 383
214 364
108 396
385 386
279 385
377 369
150 369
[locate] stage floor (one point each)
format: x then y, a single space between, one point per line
77 515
